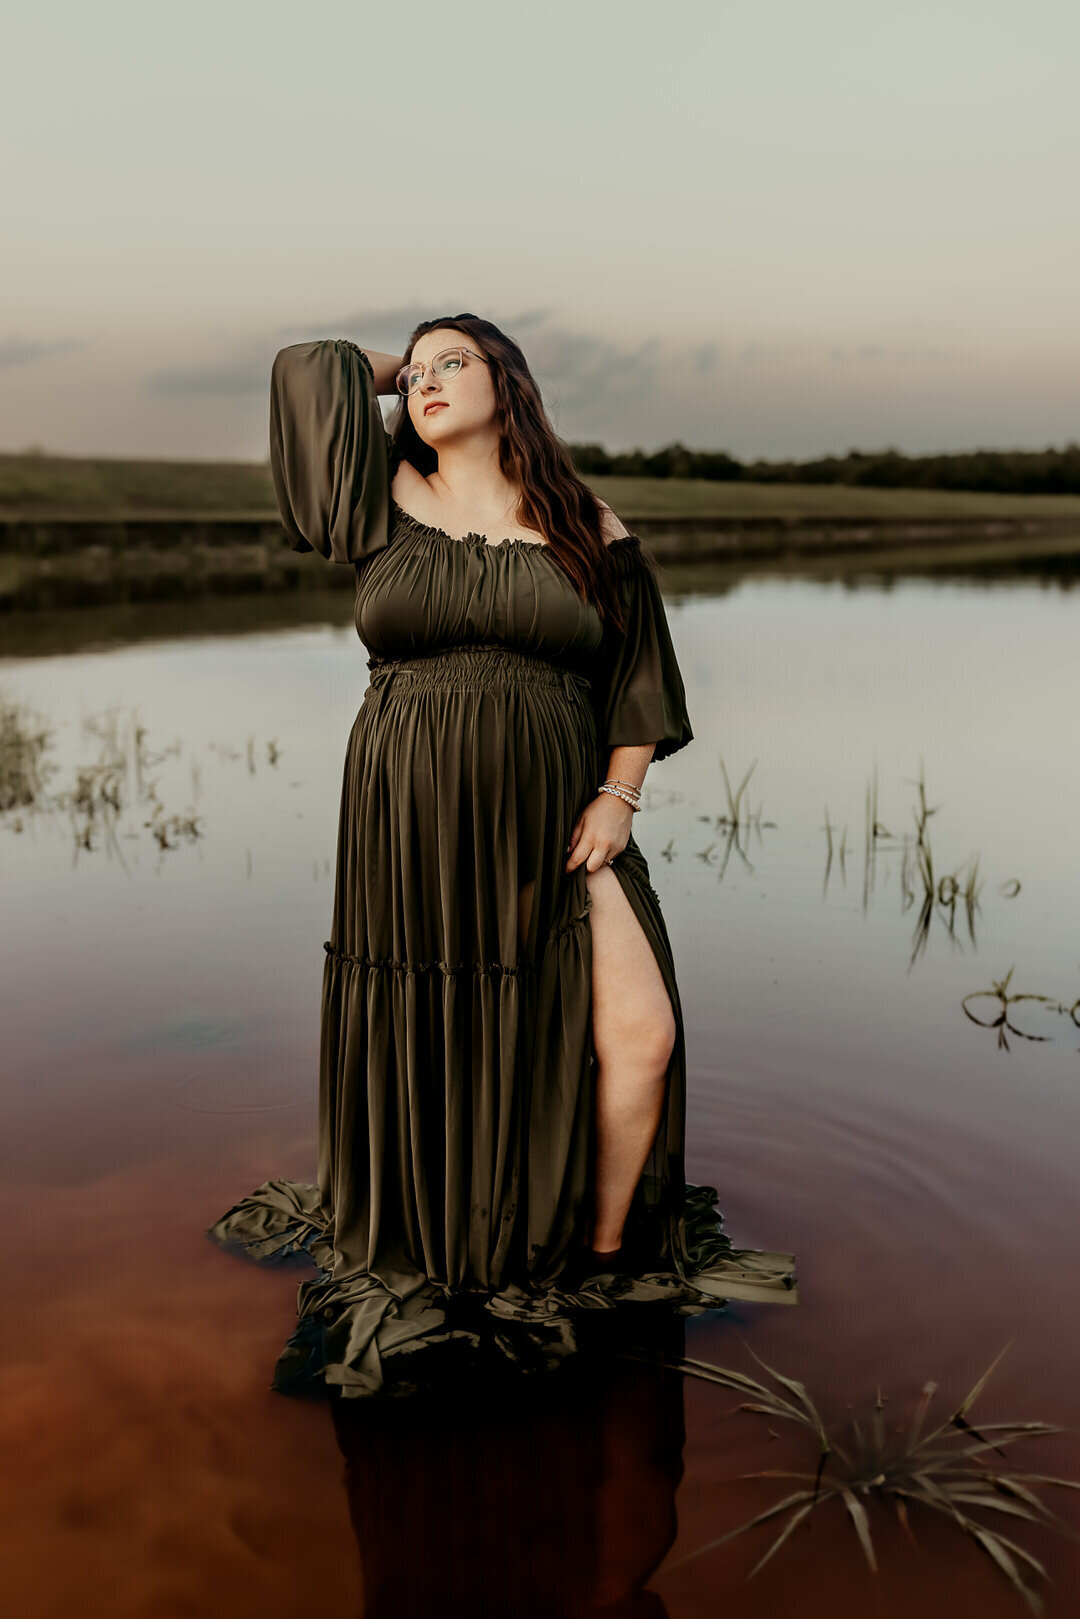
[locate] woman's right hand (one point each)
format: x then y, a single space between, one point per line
386 368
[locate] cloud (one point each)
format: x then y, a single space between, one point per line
386 329
643 390
577 367
579 370
576 370
28 350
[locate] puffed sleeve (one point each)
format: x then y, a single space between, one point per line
640 692
330 455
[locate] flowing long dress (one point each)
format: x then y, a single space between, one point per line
456 1070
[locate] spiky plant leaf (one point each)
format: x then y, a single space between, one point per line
762 1517
992 1543
800 1393
992 1503
862 1525
943 1470
902 1513
1023 1553
792 1523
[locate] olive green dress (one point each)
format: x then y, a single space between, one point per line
456 1085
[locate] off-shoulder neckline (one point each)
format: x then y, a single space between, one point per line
481 542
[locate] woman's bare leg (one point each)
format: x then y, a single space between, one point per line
633 1036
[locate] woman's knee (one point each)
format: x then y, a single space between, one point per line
656 1038
632 1008
637 1038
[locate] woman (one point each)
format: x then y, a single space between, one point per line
502 1069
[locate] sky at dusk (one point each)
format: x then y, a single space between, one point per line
776 230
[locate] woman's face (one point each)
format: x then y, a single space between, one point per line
451 407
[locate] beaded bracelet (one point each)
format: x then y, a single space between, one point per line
617 792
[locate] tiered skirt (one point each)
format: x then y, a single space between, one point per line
457 1072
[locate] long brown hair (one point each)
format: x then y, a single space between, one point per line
553 500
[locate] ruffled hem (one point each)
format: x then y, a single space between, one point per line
399 1333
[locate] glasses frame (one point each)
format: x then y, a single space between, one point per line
407 371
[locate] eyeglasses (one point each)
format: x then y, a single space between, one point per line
445 364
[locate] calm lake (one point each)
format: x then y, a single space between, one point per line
851 1095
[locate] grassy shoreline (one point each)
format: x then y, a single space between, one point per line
708 533
44 487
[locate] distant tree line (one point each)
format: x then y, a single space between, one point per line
1023 472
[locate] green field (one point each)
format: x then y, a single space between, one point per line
691 497
61 486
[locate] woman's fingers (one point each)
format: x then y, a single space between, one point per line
593 855
582 853
585 845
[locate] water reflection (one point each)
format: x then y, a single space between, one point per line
1001 1020
530 1497
161 1044
950 895
940 1466
115 795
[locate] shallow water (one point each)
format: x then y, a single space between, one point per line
161 1030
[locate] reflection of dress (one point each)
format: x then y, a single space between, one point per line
456 1066
570 1483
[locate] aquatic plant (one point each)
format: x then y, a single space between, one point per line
999 991
734 814
942 1470
841 852
123 779
948 893
733 822
24 770
943 889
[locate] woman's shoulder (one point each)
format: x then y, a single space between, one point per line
611 526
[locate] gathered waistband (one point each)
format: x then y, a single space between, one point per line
482 664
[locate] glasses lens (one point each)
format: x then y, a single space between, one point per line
446 364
